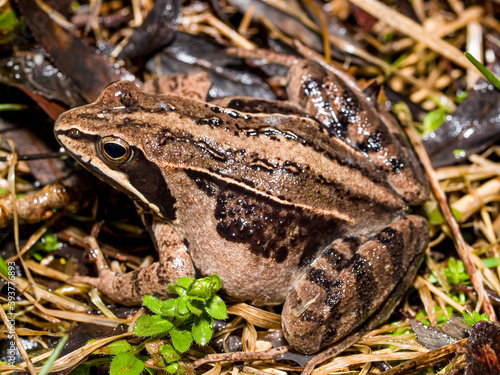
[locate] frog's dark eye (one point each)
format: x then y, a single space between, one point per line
114 149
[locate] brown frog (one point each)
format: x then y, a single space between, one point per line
301 202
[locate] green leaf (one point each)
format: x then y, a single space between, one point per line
47 243
172 368
475 317
388 36
154 304
180 291
126 364
491 262
182 308
201 288
441 317
461 95
169 353
205 288
400 331
170 307
4 269
181 339
172 288
216 308
433 120
202 329
216 283
484 71
185 282
195 306
117 347
455 272
55 354
149 325
12 106
8 20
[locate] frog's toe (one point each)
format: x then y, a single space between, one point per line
93 281
351 279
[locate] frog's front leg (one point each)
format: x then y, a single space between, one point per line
350 281
130 288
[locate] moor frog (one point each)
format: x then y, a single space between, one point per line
302 202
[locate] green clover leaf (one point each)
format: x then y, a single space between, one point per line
216 308
149 325
203 328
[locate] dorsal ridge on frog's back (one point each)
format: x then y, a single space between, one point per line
263 153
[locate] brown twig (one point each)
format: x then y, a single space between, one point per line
241 356
425 360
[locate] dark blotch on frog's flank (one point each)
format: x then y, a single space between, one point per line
271 230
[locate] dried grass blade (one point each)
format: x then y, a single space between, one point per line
255 316
425 360
412 29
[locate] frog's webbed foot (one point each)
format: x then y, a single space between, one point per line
131 287
354 285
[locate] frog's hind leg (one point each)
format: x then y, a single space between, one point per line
131 287
352 280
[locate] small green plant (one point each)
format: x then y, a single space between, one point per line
442 318
475 317
455 272
433 120
187 318
46 244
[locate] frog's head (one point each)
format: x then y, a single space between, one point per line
111 137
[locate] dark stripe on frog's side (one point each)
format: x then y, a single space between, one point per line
261 164
272 230
257 163
145 176
249 126
304 131
252 105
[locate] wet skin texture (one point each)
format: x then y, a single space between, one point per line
298 202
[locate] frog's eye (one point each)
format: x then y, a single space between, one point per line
116 150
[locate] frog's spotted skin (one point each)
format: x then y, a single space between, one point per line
276 204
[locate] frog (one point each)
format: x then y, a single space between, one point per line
301 202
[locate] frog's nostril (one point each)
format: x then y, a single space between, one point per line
74 133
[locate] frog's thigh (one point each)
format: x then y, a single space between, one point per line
349 282
174 262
